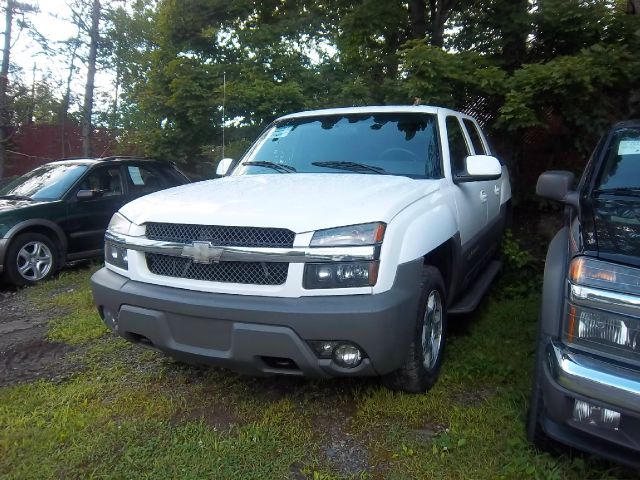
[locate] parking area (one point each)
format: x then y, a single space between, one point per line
77 402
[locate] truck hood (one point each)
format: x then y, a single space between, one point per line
300 202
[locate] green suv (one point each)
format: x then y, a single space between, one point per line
59 211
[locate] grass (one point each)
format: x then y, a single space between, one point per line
133 413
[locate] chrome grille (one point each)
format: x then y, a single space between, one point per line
222 236
254 273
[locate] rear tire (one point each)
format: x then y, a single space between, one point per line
31 258
424 356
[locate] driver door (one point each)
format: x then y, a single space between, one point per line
88 218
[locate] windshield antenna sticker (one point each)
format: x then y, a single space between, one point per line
281 132
629 147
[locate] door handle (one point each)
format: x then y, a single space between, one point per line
496 189
483 196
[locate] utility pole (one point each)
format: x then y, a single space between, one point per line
87 110
4 84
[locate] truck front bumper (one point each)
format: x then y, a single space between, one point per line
569 376
264 335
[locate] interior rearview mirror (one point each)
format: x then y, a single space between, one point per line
223 166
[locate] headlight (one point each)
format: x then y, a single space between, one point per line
119 224
603 313
363 234
340 275
116 255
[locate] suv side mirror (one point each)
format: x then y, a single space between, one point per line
480 167
88 194
223 166
556 185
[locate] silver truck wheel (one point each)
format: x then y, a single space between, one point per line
432 330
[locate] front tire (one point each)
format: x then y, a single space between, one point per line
31 258
424 357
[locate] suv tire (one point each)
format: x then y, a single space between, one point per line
31 258
424 356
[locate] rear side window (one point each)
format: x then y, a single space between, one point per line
622 164
458 149
474 135
145 180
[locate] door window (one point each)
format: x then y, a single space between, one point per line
474 135
106 180
144 180
458 149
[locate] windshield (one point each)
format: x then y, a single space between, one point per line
49 182
380 143
621 169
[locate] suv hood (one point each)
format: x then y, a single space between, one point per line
617 225
300 202
8 205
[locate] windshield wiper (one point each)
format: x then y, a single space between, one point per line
280 167
352 166
630 191
16 197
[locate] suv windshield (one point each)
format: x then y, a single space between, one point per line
621 170
379 143
48 182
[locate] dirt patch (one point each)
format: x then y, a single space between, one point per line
472 398
218 417
24 353
33 360
346 454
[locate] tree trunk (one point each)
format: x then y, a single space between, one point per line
87 127
515 29
64 108
439 13
4 83
633 7
418 19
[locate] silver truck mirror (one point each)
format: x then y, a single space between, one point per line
223 166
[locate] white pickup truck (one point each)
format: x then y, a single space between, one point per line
337 245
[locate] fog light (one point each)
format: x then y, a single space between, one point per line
347 355
594 415
110 318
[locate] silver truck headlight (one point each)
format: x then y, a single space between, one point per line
603 312
119 224
363 234
341 275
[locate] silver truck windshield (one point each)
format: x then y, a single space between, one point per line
381 143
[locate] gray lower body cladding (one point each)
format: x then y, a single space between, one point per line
244 332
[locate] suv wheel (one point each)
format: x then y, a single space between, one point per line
31 258
424 357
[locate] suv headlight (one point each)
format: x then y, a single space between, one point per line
603 312
345 274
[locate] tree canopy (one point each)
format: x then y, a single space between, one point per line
567 66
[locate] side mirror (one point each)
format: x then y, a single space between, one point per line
556 185
88 194
223 166
480 167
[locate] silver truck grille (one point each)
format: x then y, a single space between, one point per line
221 236
253 273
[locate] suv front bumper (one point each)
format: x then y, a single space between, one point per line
245 332
569 375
